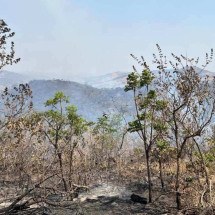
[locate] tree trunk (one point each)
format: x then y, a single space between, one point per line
149 176
177 184
70 167
61 170
60 159
161 173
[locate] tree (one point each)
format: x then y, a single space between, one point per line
106 132
191 102
161 152
148 121
7 52
16 104
64 129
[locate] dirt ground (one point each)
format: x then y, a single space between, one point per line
108 199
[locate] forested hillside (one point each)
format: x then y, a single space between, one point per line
91 102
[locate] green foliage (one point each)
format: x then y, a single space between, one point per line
137 81
160 105
107 131
77 122
209 157
135 126
133 81
148 121
64 121
162 145
159 125
146 78
148 105
103 125
54 115
58 98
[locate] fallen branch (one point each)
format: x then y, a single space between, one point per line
13 205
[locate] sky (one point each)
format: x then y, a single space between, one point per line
70 39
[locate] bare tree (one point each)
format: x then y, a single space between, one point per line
191 103
7 52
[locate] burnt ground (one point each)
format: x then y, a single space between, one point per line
109 198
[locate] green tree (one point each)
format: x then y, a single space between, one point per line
107 132
148 121
64 129
161 153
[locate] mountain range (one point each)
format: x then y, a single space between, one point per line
92 102
111 80
8 79
93 95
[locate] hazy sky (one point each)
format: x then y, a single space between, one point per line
75 38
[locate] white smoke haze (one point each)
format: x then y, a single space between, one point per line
69 40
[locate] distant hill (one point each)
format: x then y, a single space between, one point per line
8 78
203 73
93 97
91 102
118 79
111 80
